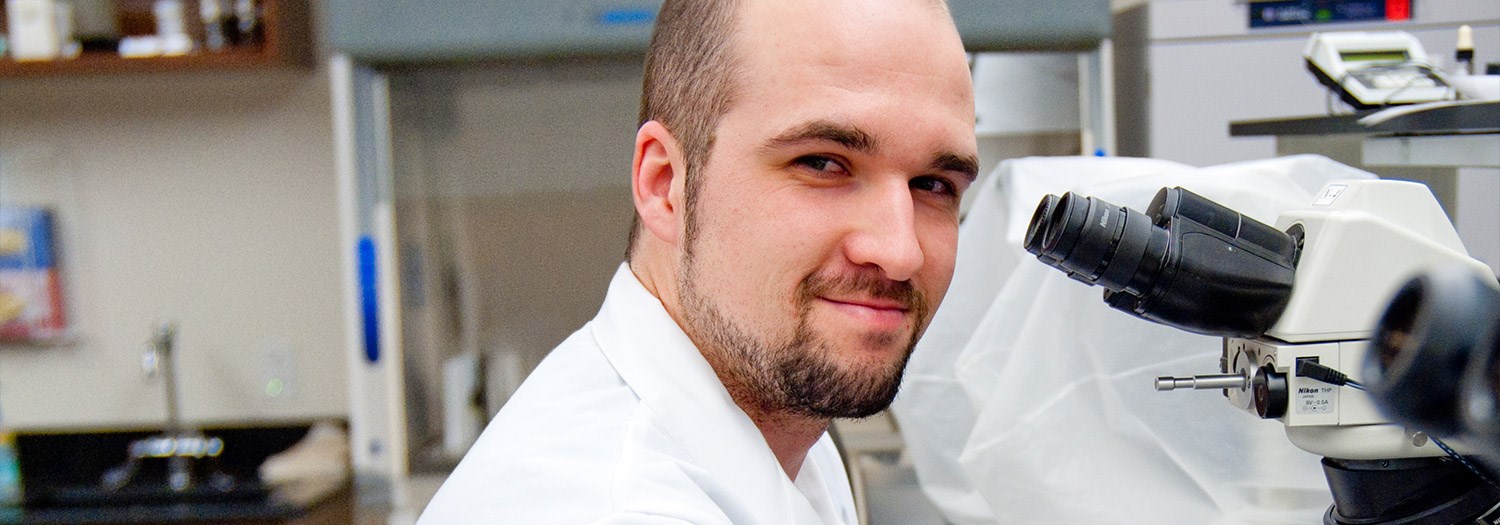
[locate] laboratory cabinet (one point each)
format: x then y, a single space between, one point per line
281 38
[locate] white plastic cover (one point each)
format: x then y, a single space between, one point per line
1029 400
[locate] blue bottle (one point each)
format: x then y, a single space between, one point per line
10 470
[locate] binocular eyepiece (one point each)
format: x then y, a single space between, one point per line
1434 361
1187 262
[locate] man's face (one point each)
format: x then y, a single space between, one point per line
822 233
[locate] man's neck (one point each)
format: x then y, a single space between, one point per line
789 436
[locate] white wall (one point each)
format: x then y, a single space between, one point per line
209 199
1478 218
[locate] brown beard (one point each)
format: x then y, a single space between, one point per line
800 375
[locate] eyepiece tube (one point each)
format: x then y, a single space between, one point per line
1439 325
1036 232
1092 240
1479 400
1187 262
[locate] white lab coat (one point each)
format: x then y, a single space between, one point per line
625 422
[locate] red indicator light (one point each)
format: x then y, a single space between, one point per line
1397 10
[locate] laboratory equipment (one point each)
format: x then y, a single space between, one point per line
35 32
1295 304
1376 68
10 468
215 38
1463 51
171 27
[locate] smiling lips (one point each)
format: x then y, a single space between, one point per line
879 313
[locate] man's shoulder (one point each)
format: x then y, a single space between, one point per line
574 373
609 471
575 445
574 403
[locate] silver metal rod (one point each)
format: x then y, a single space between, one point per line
1203 382
179 469
166 332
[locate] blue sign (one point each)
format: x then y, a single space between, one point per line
1277 13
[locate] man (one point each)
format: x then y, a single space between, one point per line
796 178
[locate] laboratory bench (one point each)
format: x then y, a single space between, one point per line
1424 143
1440 135
61 476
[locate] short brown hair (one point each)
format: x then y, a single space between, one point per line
689 77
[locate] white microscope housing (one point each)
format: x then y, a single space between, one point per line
1361 241
1300 305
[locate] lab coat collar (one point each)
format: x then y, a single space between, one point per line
665 369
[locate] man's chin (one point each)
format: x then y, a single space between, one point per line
871 348
863 397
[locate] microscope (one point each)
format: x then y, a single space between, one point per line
1311 335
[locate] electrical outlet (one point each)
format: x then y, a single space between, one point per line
278 369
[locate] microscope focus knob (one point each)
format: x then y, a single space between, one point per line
1270 392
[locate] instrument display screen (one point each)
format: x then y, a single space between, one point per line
1395 55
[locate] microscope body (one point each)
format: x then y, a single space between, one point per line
1360 241
1320 418
1309 338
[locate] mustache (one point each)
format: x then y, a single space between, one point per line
864 283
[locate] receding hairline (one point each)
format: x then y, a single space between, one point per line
696 128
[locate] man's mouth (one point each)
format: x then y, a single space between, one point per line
865 302
878 313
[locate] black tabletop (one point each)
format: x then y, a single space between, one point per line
1477 117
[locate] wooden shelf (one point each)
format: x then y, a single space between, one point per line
286 42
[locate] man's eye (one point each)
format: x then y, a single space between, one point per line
821 163
934 185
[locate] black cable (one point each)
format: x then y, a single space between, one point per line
1317 371
1444 446
1426 71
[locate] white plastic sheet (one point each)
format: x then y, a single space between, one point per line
1031 401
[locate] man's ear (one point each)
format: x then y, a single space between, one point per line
656 181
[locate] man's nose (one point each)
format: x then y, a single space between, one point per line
884 232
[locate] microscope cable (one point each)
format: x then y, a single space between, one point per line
1317 371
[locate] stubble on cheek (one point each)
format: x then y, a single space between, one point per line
798 371
789 367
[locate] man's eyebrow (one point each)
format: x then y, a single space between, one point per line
857 139
825 131
965 165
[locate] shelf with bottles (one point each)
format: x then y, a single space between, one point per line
280 36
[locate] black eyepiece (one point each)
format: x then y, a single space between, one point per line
1036 231
1439 327
1092 240
1187 262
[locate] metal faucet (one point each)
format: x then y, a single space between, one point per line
180 445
